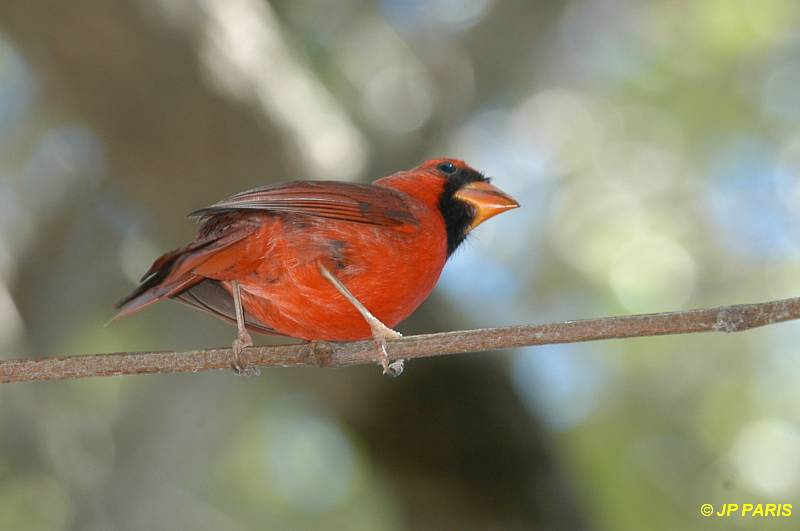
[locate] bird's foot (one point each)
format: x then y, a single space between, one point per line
242 341
381 332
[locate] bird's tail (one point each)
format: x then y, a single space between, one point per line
178 271
170 275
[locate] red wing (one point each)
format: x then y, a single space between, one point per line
359 203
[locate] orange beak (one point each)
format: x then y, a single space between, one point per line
487 200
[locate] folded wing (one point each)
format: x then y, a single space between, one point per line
358 203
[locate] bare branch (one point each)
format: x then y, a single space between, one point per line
722 319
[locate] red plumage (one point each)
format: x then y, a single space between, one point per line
386 243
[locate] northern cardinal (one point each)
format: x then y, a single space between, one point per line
324 260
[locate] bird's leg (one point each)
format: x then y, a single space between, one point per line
380 332
243 339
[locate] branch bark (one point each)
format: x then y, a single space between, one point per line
734 318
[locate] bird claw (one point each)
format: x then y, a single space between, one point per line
394 369
380 331
388 333
241 342
390 368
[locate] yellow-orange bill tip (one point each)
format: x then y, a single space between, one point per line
488 200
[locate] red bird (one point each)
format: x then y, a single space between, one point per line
325 260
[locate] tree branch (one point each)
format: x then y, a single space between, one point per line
722 319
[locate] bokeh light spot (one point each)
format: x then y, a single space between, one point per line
766 454
564 384
653 273
310 462
399 99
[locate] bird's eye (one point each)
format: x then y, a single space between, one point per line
447 167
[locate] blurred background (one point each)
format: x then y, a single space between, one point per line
654 146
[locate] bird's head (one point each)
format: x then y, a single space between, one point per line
463 195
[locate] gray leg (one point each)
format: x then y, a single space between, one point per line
380 332
243 339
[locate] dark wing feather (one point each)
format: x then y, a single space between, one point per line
209 296
359 203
